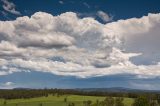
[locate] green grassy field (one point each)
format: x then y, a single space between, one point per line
57 101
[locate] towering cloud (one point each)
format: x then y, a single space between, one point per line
71 46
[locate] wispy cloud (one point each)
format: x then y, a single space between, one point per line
104 16
86 4
4 14
10 7
61 2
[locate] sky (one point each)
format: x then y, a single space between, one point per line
80 44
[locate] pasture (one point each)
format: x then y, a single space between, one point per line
54 100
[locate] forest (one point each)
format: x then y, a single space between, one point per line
68 97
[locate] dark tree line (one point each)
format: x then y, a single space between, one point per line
30 93
112 98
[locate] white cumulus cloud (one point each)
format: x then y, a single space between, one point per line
82 47
8 83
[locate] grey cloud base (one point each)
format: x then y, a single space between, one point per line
70 46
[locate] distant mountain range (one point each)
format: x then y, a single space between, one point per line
112 89
116 89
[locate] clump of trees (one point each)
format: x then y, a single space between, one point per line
65 99
119 101
110 101
40 104
87 103
146 101
141 101
5 102
71 104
